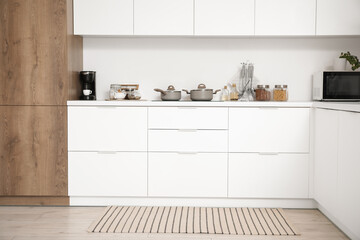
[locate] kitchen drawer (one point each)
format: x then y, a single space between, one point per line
188 118
188 140
107 174
188 175
107 128
252 175
283 130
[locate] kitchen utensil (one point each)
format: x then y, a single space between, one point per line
201 93
170 94
246 81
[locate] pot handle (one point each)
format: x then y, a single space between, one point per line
159 90
216 91
186 91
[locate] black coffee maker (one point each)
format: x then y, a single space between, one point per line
87 79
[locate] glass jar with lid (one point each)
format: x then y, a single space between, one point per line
115 92
133 94
234 93
225 96
262 93
280 93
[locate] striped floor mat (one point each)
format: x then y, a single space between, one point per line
237 221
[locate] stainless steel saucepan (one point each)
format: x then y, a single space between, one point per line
201 93
170 94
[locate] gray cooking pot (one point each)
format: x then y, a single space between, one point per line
201 93
170 94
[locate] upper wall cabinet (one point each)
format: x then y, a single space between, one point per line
163 17
103 17
224 17
285 17
216 17
338 17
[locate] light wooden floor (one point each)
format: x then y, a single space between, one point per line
54 223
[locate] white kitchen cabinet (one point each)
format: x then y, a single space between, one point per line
272 130
326 158
224 17
163 17
348 190
107 128
285 17
107 174
188 140
338 17
187 175
253 175
188 118
103 17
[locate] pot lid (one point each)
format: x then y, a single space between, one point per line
171 88
202 87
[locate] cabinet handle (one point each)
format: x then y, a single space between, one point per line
106 152
187 130
187 152
268 108
188 108
268 153
108 107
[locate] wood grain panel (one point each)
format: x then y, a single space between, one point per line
74 56
36 201
33 150
39 55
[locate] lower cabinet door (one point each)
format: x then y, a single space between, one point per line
107 174
188 175
348 177
188 140
252 175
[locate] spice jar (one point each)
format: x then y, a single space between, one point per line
280 93
262 93
234 93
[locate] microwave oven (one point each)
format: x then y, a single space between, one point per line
336 86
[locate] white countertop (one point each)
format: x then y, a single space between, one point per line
144 103
341 106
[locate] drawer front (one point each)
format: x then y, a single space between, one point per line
107 174
188 175
253 175
188 118
107 128
188 140
285 130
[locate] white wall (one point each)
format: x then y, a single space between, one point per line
186 62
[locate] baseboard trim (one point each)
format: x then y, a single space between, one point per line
34 200
200 202
338 223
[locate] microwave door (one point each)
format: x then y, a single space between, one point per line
342 87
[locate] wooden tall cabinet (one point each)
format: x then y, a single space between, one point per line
40 59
